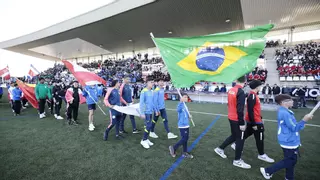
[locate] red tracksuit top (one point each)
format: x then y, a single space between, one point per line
253 114
236 101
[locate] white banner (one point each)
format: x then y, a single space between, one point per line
132 109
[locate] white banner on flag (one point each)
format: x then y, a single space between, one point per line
132 109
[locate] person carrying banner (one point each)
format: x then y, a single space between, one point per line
113 98
147 108
58 94
16 97
126 99
159 103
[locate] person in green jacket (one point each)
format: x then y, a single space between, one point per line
42 93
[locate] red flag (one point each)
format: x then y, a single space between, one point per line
84 76
28 93
4 73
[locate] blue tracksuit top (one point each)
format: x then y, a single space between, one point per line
114 97
1 91
288 129
147 101
16 94
183 116
159 99
126 93
100 90
93 97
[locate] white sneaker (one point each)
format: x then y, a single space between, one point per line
24 107
220 152
171 135
145 144
149 142
91 127
42 116
153 135
264 174
233 146
266 158
240 163
55 116
59 117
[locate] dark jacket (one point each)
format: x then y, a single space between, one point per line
276 90
264 90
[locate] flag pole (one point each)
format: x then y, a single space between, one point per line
178 89
95 102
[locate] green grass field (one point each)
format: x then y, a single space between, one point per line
31 148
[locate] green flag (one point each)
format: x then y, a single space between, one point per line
221 57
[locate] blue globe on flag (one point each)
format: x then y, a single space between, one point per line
210 59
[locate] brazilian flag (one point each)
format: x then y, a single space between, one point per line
221 57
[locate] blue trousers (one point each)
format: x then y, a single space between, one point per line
115 119
289 161
164 116
133 122
147 126
183 141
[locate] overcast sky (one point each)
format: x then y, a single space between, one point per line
20 17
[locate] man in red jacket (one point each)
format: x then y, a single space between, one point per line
254 121
236 102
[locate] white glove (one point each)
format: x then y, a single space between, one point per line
243 128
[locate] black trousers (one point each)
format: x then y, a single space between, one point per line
24 102
236 136
258 135
50 105
17 107
72 111
57 106
42 104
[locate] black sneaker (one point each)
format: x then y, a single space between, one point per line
187 155
123 132
136 131
119 137
75 122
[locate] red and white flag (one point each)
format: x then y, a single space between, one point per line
4 73
84 76
33 71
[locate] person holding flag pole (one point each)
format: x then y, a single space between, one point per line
90 92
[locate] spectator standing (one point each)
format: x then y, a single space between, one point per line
302 96
266 91
275 91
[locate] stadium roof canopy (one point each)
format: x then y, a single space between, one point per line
124 25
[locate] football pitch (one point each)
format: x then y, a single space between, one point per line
37 149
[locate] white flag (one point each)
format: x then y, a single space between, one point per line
132 109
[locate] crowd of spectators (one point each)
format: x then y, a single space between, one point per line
258 73
300 60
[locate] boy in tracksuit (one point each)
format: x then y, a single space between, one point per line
91 95
126 100
10 97
254 120
58 94
42 93
160 107
50 100
236 103
113 98
183 125
1 92
288 138
146 109
16 97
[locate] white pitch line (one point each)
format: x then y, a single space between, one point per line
270 120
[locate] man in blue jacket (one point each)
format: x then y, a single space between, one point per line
92 97
16 97
160 108
288 138
146 109
1 92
